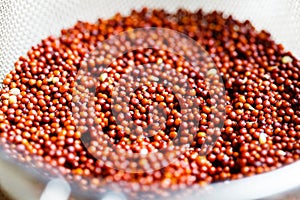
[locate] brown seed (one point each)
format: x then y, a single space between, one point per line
40 113
206 109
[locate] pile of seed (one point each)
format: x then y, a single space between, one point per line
261 131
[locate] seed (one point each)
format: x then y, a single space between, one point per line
248 107
143 151
201 134
15 91
272 68
50 79
286 59
201 160
54 80
153 78
160 98
280 153
212 72
159 61
262 138
103 77
206 109
244 80
289 111
143 118
12 99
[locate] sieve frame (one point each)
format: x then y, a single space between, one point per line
25 23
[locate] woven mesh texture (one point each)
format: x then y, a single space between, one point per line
23 23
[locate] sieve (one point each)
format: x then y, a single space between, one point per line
24 23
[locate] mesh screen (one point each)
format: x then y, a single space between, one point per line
23 23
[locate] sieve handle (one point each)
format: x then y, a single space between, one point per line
19 185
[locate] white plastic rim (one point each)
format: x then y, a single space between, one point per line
256 187
57 189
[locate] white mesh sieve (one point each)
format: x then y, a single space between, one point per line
23 23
